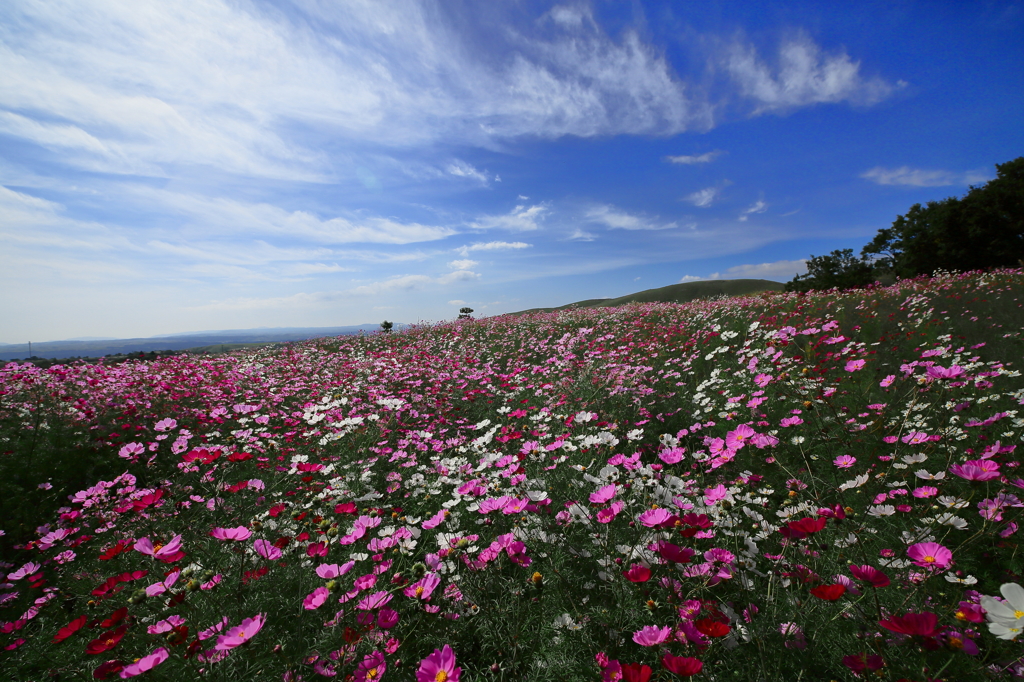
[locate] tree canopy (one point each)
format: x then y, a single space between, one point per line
984 229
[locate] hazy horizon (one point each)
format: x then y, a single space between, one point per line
232 165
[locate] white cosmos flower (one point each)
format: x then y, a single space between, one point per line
1009 614
882 510
966 580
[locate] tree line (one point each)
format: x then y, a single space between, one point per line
984 229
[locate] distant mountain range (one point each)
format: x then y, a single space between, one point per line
675 293
94 348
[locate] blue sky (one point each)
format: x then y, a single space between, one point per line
209 164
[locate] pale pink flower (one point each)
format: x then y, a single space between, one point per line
240 533
145 546
165 625
603 494
854 365
654 517
145 663
844 461
374 601
315 599
267 550
887 381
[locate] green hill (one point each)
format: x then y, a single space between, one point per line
674 293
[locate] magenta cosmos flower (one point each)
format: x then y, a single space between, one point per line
371 668
976 470
241 634
145 545
424 587
651 635
439 667
239 533
930 555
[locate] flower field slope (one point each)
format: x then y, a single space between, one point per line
821 486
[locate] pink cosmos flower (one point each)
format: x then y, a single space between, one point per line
145 546
26 570
925 491
608 514
672 455
365 582
651 635
976 470
887 381
436 520
145 663
374 601
738 437
716 494
371 668
387 618
424 587
315 599
267 550
241 633
654 517
930 555
331 571
791 421
439 667
603 494
240 533
637 573
844 461
854 365
165 424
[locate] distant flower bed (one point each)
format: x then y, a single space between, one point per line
819 485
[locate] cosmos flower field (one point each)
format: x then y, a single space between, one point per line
784 487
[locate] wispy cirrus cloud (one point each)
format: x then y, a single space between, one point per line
706 157
705 197
616 219
758 207
522 218
918 177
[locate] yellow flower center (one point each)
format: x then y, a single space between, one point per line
929 560
956 643
1018 614
441 676
371 674
419 591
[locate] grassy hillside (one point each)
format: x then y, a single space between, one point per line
675 293
782 487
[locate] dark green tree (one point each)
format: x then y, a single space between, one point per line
385 327
840 269
465 313
982 230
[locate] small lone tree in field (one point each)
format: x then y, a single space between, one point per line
465 313
385 327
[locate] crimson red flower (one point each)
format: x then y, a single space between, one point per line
239 456
795 530
914 624
112 552
105 670
637 573
829 592
107 641
635 672
684 666
346 508
114 618
858 663
69 629
712 628
870 574
674 553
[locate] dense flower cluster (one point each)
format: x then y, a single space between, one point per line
592 494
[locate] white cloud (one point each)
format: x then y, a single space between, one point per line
579 235
689 278
707 157
462 264
777 270
616 219
519 219
704 198
803 76
758 207
457 301
916 177
462 169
